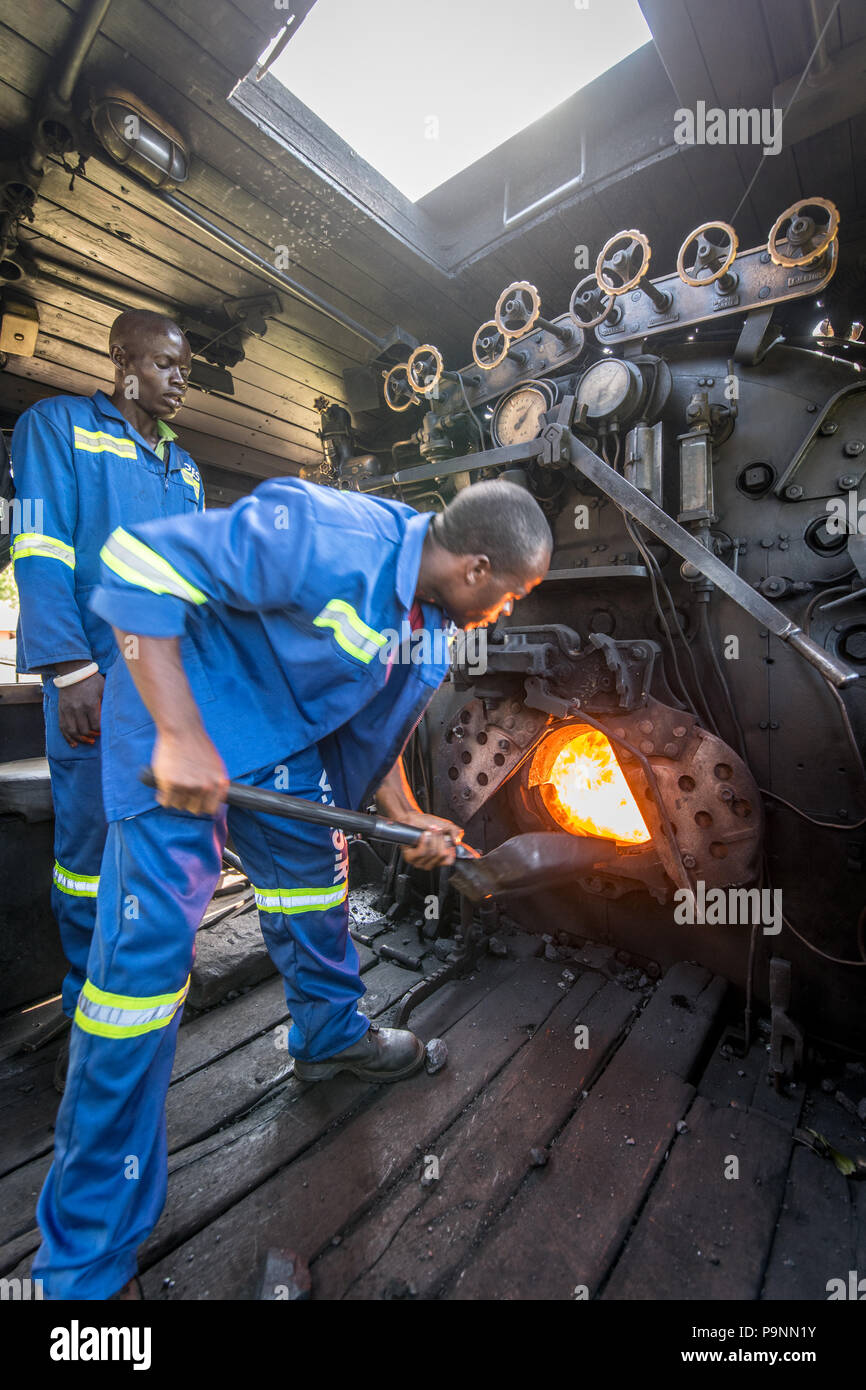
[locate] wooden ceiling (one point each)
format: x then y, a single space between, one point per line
268 172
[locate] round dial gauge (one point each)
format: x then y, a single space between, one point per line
610 389
517 418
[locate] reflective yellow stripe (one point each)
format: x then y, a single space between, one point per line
48 547
98 442
123 1015
289 900
138 564
75 885
354 635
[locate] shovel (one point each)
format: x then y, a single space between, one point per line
528 862
337 818
517 866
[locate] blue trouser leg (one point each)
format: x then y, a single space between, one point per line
106 1187
79 839
300 873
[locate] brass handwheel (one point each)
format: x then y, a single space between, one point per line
797 237
715 247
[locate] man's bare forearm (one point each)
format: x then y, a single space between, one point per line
187 767
396 800
394 797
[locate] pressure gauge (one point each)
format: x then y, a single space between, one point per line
517 418
610 390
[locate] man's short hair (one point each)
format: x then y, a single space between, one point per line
497 519
141 324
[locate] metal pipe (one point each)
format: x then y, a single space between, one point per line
88 28
819 23
285 282
83 34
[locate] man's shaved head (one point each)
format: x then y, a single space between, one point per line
152 361
135 326
489 548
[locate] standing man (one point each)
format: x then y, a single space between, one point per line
256 648
86 465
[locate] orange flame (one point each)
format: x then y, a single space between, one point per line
589 795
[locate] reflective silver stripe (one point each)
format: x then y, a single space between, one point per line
100 442
75 885
288 900
352 633
118 1016
129 558
43 547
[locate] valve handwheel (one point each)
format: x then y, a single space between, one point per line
424 368
399 392
623 261
490 346
517 308
714 249
587 293
803 232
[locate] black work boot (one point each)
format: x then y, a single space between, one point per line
383 1054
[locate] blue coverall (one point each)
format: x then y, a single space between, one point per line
80 470
292 612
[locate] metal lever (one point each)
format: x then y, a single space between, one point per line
335 817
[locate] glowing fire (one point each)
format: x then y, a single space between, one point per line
588 794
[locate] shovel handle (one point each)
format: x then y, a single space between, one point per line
335 817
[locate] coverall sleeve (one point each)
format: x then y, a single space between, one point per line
46 489
251 556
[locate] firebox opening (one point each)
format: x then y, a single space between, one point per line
583 786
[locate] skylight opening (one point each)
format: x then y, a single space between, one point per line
421 92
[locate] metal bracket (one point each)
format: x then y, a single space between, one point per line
555 449
755 341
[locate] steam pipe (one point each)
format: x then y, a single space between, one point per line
83 34
82 42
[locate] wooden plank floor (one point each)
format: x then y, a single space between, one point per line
588 1138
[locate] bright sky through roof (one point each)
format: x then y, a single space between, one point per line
420 91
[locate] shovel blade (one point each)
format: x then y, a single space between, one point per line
525 862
